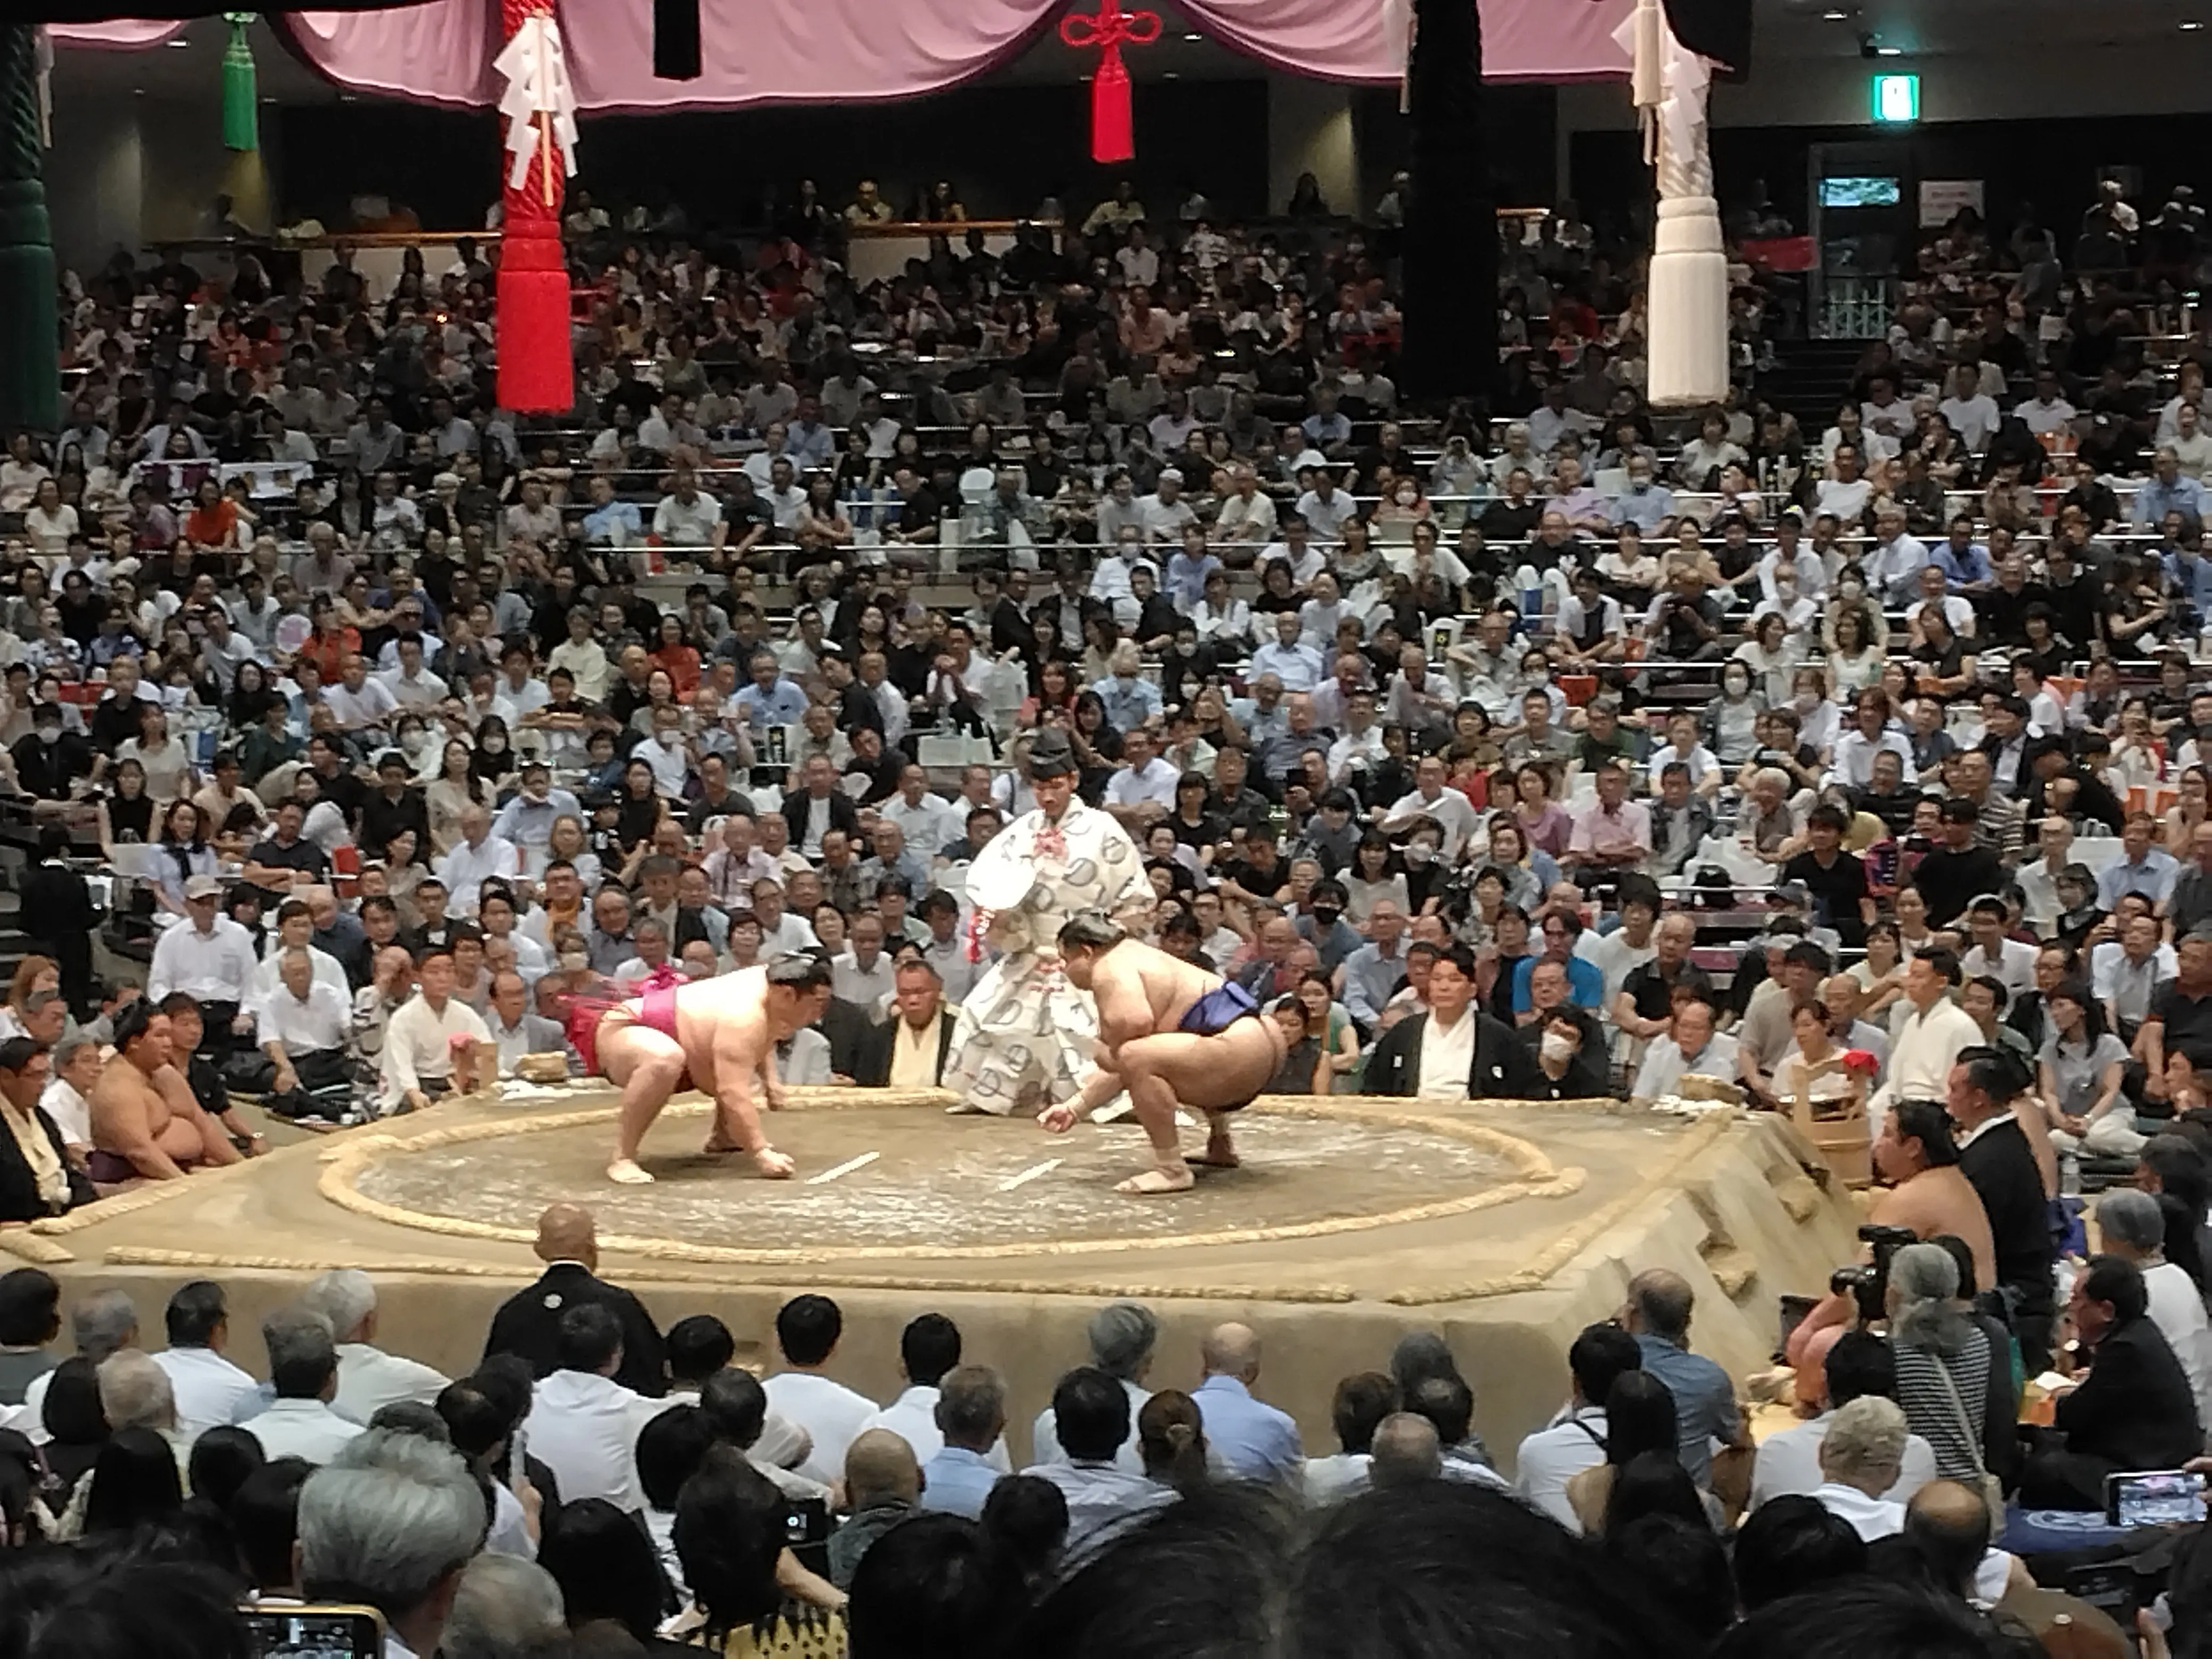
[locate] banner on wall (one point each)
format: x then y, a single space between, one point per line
1941 198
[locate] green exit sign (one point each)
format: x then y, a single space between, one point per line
1897 97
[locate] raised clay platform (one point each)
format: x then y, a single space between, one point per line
1506 1226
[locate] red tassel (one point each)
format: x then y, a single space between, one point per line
1113 129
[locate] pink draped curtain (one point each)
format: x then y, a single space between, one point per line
126 33
768 51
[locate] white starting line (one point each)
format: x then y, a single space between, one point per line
844 1169
1031 1174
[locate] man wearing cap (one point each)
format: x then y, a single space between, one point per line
208 956
717 1036
1024 1033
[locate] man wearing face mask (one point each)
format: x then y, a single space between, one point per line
50 759
1641 502
527 820
1789 554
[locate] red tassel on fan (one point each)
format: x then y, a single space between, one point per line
1113 129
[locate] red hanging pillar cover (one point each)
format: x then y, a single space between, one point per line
537 374
1113 131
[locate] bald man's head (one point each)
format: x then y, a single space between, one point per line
880 1468
566 1233
1405 1452
1949 1524
1231 1350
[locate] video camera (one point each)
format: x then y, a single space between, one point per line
1869 1282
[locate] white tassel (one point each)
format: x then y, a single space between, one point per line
42 56
538 94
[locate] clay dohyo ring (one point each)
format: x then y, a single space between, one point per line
1537 1178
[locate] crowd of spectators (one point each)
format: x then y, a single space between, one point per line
598 1485
397 718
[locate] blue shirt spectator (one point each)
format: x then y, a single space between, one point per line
1961 565
956 1481
1186 577
1131 701
2151 872
1585 984
1704 1402
779 702
1254 1441
616 523
2168 489
1644 504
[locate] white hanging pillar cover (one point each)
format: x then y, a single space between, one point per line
537 98
1688 292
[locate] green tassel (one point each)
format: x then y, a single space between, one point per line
241 101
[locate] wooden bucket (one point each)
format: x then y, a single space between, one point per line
1846 1141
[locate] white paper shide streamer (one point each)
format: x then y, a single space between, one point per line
1689 288
539 95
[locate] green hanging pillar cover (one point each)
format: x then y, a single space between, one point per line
30 378
241 99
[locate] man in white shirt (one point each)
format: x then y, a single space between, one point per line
411 684
2047 411
477 856
1929 1034
929 1348
1143 791
303 1024
582 1423
207 955
1451 811
862 976
76 1068
1324 506
368 1379
1893 562
2038 892
807 1330
1691 1048
1296 664
1165 513
1844 494
1862 1457
1859 1366
418 1056
1972 412
303 1369
2010 961
1122 1336
928 821
1575 1439
1363 1400
207 1386
1869 735
687 518
358 702
1248 515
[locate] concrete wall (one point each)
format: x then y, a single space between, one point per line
124 171
1310 130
